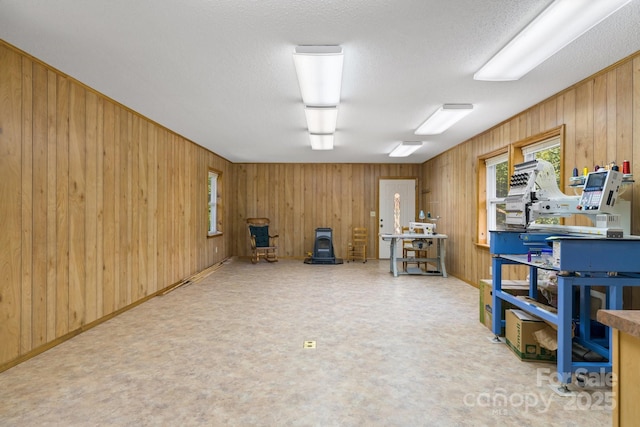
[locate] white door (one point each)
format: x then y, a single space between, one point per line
388 188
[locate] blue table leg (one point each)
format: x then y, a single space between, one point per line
496 303
565 306
533 282
585 312
615 297
614 302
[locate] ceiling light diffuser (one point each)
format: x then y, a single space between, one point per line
321 120
445 117
321 141
319 70
405 148
557 26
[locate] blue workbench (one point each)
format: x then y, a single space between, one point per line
580 263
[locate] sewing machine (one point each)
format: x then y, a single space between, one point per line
534 194
422 227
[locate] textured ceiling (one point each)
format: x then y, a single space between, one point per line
221 72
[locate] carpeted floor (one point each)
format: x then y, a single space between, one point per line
229 351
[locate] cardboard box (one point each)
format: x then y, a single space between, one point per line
513 287
488 318
519 337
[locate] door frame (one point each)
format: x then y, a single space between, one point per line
380 178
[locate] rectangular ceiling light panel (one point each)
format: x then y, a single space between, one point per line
319 70
445 117
405 148
321 141
557 26
321 120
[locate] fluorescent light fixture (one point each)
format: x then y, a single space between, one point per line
445 117
321 141
321 119
557 26
319 70
405 148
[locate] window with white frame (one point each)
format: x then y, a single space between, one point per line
493 176
213 202
497 187
548 150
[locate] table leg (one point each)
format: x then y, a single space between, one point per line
391 257
496 303
565 307
442 250
394 264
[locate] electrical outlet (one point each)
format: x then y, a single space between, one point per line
490 271
216 249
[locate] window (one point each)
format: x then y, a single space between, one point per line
490 191
495 168
548 150
497 187
213 196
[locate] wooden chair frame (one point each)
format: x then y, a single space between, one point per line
357 249
269 252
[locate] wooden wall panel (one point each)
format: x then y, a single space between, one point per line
26 291
62 207
101 208
51 258
77 203
108 265
568 101
623 147
142 237
123 211
171 205
39 188
601 142
11 145
298 198
100 196
91 207
161 194
134 231
152 211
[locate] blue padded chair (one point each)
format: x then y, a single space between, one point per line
262 243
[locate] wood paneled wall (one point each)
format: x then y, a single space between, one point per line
100 207
298 198
602 118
